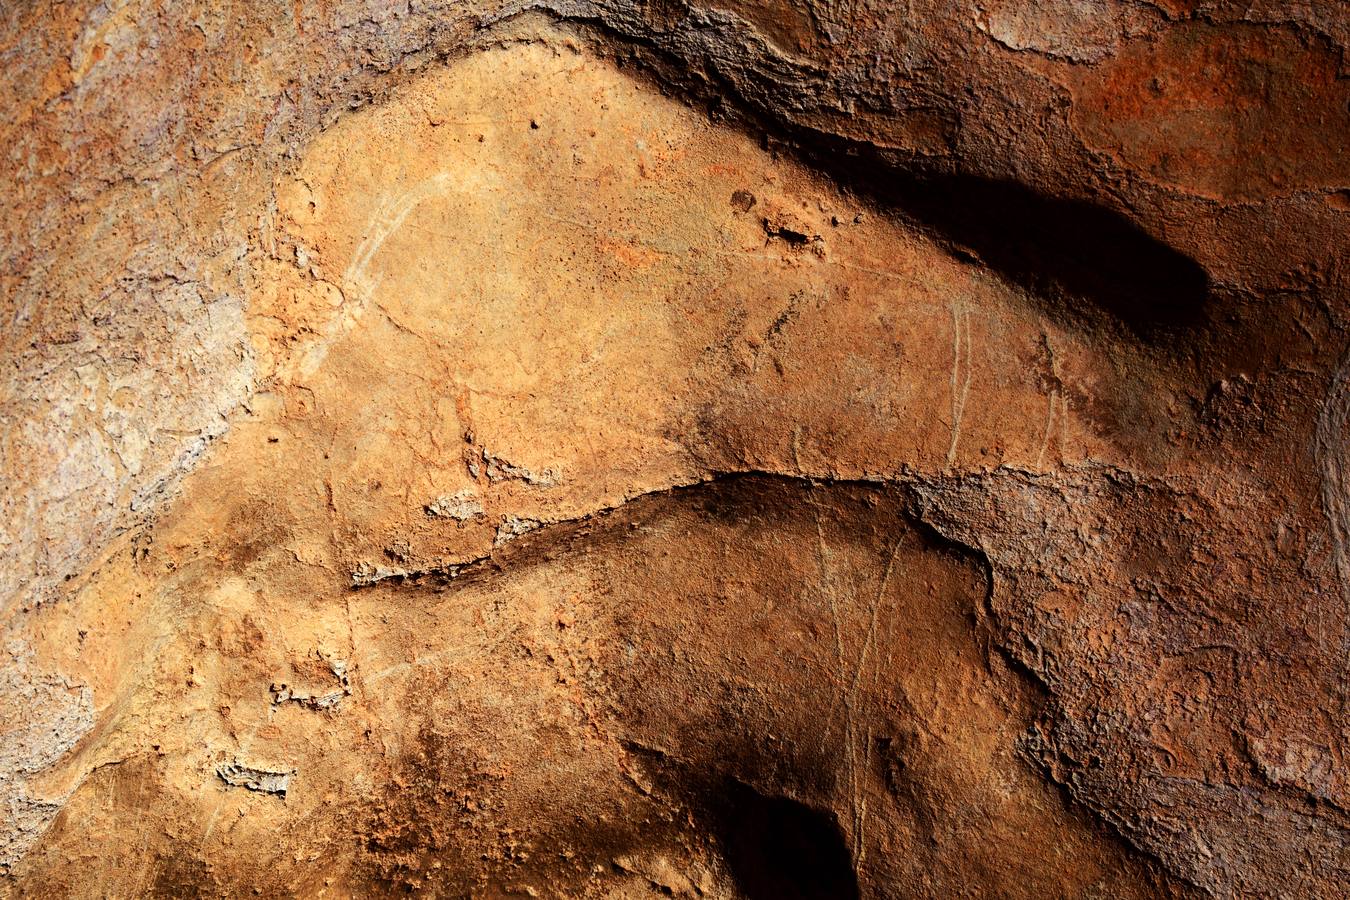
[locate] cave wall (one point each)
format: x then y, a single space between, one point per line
747 449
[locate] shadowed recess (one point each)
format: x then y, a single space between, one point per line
1065 249
780 849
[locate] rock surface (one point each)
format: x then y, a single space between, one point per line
739 449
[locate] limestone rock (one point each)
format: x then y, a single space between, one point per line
737 449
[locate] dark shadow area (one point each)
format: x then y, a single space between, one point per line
1063 249
1081 260
779 849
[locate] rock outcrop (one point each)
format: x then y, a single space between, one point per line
742 449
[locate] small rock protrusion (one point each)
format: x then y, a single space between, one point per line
461 506
254 778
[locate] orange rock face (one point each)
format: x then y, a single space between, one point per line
733 450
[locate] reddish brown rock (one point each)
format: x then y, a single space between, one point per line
743 450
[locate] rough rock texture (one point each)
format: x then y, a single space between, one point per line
744 449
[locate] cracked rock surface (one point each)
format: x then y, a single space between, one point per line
610 449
